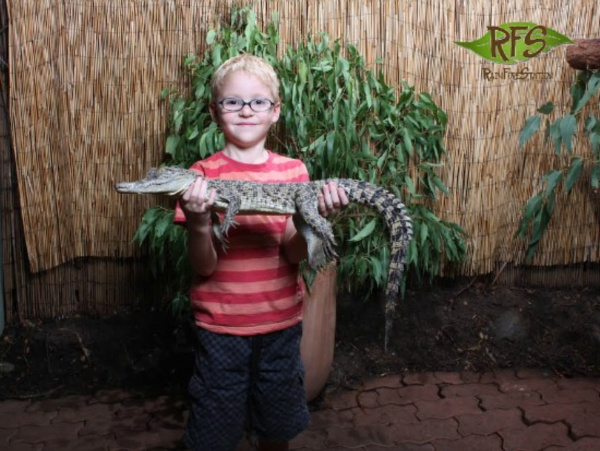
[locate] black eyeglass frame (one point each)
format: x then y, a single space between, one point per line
242 103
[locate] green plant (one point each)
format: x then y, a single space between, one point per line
538 210
167 248
343 121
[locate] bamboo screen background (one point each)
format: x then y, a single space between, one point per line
85 79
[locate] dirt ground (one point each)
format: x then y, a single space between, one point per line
457 326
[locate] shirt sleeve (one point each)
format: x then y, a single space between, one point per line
304 177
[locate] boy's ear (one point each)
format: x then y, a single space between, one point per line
276 112
212 109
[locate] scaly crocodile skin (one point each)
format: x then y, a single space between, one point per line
299 199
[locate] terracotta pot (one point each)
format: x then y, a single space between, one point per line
318 336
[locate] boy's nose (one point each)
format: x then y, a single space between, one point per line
246 110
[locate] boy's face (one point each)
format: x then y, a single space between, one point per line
244 128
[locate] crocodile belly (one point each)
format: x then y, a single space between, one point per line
253 206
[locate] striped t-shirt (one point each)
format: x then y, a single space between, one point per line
253 289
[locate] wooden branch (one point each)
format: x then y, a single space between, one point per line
585 55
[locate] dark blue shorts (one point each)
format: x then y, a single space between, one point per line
246 383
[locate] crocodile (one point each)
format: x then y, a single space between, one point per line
236 197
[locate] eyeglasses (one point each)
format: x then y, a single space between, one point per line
233 104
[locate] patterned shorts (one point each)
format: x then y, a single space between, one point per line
254 383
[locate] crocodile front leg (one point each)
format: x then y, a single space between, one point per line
233 206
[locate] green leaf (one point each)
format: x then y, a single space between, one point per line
540 224
530 211
407 139
567 130
595 176
195 132
551 180
377 269
556 135
211 37
595 141
424 233
364 232
178 114
200 91
171 145
574 173
413 253
440 185
452 250
590 123
146 227
162 226
165 93
410 186
591 88
532 125
547 108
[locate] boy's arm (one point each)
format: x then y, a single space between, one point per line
331 201
196 205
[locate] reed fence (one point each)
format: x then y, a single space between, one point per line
85 112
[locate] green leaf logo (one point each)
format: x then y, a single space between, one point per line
512 42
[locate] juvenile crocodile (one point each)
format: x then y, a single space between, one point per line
235 197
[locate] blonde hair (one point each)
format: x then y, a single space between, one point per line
251 65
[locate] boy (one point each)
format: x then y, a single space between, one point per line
246 301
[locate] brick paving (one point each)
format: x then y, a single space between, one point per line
504 411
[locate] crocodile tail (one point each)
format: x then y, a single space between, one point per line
400 229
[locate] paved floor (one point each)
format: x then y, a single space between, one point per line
505 410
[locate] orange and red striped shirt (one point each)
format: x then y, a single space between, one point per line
253 289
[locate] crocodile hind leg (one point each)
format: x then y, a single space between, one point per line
307 206
316 254
216 227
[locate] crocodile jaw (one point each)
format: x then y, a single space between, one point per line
164 180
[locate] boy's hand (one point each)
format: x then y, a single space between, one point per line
196 203
332 200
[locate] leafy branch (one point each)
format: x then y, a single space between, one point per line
538 211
